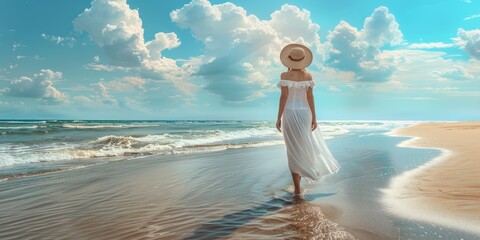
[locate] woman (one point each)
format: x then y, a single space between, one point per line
308 155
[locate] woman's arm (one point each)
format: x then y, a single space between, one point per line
311 103
281 107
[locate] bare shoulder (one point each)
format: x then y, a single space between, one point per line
296 75
308 76
284 75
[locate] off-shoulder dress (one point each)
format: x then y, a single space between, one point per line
307 152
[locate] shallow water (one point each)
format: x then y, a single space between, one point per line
195 196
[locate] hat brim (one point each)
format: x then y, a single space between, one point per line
287 62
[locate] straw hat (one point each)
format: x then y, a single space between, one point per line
296 56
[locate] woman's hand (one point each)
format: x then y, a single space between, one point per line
279 124
314 124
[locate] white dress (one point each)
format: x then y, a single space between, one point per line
307 152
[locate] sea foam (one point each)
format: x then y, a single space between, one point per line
116 139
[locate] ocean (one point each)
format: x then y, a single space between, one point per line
43 146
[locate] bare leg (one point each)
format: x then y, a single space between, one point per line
296 182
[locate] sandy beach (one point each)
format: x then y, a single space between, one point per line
445 190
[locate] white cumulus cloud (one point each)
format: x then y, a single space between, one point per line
241 51
117 29
40 85
470 42
349 49
295 25
381 28
161 42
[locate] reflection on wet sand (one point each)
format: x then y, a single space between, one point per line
289 216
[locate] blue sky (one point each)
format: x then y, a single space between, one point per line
117 59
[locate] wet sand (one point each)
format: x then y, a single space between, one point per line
238 193
446 190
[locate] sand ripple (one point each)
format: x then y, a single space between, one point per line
197 196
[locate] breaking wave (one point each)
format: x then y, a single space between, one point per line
112 145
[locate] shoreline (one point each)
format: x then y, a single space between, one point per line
445 189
